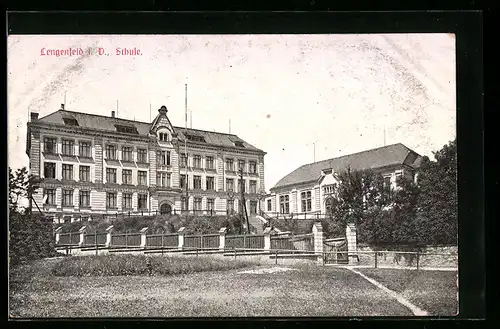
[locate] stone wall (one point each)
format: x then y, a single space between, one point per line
430 256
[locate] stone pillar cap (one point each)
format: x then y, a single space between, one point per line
110 228
181 230
82 229
268 230
58 229
144 229
223 230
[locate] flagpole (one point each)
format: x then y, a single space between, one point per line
185 149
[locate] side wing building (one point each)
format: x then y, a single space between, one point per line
307 190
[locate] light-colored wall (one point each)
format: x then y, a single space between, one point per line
318 195
99 164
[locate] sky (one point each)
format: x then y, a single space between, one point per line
300 98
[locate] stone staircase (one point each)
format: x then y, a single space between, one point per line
257 223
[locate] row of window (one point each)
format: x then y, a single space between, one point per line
197 205
209 161
67 147
210 184
142 176
84 200
49 171
329 189
306 202
252 165
85 150
197 182
163 157
111 153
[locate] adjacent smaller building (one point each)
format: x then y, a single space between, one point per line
308 189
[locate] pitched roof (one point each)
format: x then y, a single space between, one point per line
101 122
396 154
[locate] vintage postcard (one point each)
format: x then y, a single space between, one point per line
232 175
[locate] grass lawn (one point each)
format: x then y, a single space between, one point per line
304 291
433 291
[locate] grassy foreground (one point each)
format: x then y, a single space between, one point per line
434 291
302 291
113 265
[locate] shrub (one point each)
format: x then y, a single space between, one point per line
113 265
30 237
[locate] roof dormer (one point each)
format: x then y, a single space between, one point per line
162 127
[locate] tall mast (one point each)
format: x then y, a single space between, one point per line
185 148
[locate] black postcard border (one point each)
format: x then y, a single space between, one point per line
467 25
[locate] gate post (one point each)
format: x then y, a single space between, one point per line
267 238
144 240
82 235
222 238
58 234
181 237
109 230
350 233
318 240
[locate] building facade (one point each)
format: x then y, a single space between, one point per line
308 190
93 166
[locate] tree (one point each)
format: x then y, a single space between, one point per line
406 230
437 202
30 235
21 185
361 197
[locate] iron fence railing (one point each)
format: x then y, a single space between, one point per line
235 241
126 240
313 215
162 240
92 239
255 241
192 241
71 238
210 241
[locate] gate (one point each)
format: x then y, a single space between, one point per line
335 251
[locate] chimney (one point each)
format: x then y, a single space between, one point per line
34 116
62 106
112 114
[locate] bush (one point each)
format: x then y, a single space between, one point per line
113 265
30 237
158 224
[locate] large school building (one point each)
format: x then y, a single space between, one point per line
94 165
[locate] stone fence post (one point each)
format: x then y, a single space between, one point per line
109 231
82 231
181 237
58 234
318 240
267 238
222 238
144 231
350 233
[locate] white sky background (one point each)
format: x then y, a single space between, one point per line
282 92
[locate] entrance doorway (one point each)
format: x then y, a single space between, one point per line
165 209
